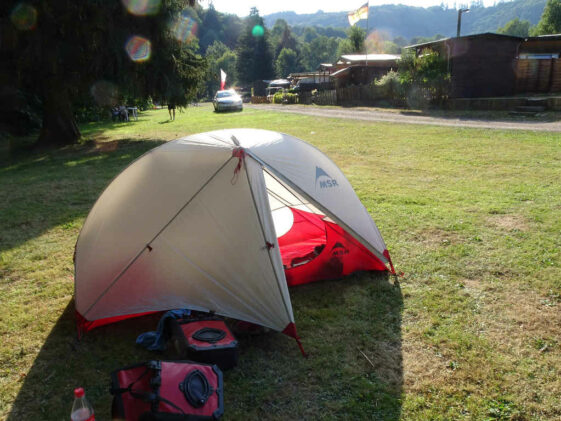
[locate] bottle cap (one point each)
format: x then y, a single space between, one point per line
79 393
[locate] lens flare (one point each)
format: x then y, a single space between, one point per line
138 48
142 7
184 28
375 42
258 31
104 93
24 17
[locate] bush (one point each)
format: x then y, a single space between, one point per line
285 98
425 79
389 87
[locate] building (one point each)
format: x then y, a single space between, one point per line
358 69
538 68
481 65
496 65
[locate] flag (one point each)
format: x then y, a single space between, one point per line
358 14
222 79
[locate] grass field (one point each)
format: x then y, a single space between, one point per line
472 330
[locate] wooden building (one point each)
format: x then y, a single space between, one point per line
360 69
538 67
482 65
495 65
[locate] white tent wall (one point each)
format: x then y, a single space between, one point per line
213 256
135 207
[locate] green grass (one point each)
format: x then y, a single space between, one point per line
472 331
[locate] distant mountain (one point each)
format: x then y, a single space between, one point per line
411 21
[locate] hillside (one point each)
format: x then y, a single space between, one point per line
411 21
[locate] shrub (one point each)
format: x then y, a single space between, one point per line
389 87
285 98
425 79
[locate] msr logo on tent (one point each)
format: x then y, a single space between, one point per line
325 181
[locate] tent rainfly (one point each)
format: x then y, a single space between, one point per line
221 222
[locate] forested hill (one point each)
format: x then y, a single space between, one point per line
411 21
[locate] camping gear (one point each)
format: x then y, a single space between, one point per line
156 341
206 340
217 222
159 390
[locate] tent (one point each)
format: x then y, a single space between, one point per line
221 222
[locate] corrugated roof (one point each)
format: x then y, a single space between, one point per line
341 72
369 57
482 35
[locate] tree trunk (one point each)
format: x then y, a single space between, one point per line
59 125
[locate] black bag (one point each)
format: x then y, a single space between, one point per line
205 340
167 390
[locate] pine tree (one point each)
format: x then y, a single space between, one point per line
74 44
254 56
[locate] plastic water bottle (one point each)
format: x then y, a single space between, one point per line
81 409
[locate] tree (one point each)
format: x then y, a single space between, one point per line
357 36
425 78
354 44
254 57
286 63
321 50
281 37
74 44
516 27
219 56
550 22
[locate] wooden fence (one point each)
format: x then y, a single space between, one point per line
538 76
339 96
259 100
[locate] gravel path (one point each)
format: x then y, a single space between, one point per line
391 117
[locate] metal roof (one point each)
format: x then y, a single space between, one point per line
482 35
341 72
368 57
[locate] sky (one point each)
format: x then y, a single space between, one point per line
265 7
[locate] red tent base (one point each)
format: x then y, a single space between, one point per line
83 325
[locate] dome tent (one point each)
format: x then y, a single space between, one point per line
218 222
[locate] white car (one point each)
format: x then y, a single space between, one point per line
227 100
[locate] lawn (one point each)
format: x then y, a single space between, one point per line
471 331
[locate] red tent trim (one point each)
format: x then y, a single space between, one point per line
83 325
290 330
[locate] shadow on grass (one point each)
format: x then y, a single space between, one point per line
340 323
343 324
41 190
64 363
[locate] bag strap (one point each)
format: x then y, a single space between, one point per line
153 398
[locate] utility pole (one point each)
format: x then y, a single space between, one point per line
460 11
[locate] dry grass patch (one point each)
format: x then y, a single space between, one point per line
436 237
423 367
508 222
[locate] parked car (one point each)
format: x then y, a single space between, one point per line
227 100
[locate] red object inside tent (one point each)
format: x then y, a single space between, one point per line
315 249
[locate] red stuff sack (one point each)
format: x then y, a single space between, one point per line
205 340
167 390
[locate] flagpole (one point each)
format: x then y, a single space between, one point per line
366 39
